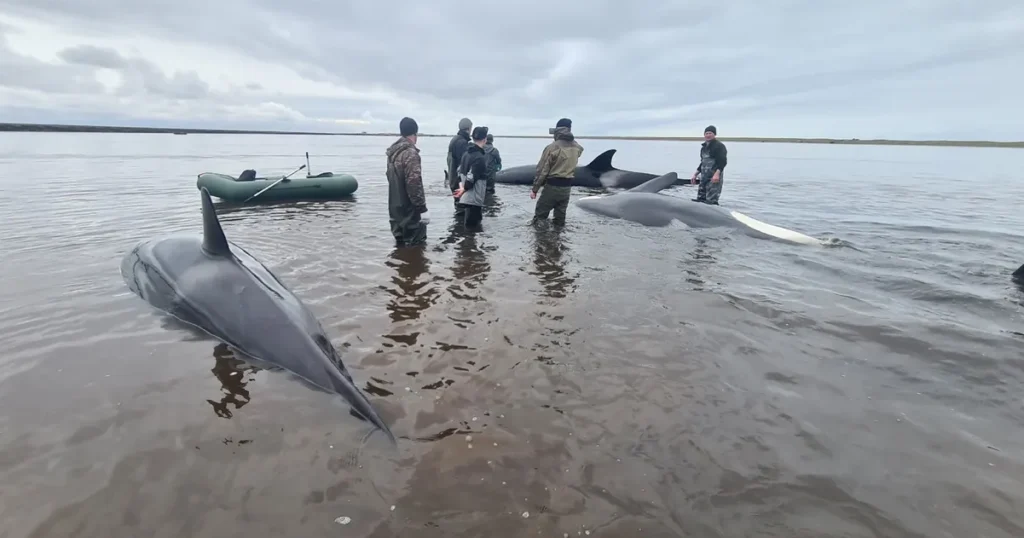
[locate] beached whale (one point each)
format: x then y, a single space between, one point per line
215 285
645 205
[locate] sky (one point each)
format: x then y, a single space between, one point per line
897 69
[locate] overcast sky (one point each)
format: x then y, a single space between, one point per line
863 69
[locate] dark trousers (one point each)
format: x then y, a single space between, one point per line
709 192
460 209
552 198
474 214
407 228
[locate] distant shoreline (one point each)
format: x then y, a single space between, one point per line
55 128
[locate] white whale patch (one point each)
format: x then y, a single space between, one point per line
775 231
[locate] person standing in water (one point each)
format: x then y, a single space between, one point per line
474 172
713 158
457 147
406 200
555 172
495 161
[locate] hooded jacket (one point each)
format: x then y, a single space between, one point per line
557 164
405 175
474 170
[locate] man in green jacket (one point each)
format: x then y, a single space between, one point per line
555 172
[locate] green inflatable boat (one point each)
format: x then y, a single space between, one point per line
323 186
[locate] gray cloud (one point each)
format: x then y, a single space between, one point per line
783 68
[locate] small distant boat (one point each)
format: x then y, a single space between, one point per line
180 133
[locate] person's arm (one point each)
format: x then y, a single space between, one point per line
720 155
414 179
497 159
543 167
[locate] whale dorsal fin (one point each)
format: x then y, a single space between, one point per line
656 184
214 241
603 162
1019 273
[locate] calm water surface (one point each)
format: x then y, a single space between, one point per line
606 378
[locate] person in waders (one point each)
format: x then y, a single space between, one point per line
495 160
457 147
555 172
711 170
406 200
474 172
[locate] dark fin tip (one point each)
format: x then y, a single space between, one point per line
603 162
214 241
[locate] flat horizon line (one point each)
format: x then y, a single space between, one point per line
71 128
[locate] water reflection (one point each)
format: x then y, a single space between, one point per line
286 209
548 246
492 205
410 295
234 374
469 269
702 256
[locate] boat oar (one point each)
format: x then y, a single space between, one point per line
307 164
272 184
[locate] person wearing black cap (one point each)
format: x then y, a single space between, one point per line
495 161
406 200
555 172
713 158
457 147
474 172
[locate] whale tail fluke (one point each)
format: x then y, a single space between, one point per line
214 241
603 162
656 184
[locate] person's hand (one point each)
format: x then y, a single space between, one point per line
459 192
715 177
693 179
533 195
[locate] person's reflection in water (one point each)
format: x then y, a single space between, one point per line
492 205
702 256
470 267
410 295
233 374
549 245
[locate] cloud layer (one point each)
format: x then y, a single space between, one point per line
892 69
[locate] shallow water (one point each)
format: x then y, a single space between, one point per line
612 378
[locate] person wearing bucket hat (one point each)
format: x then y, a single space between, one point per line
711 170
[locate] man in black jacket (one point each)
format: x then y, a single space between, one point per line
713 158
457 147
